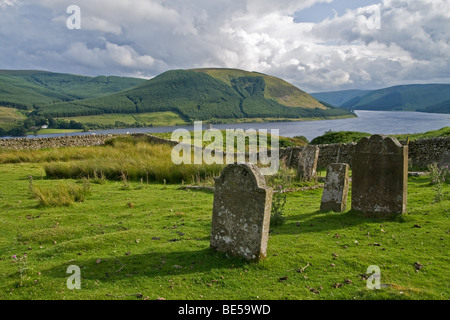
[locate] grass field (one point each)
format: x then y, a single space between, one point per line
151 240
154 118
53 131
9 118
354 136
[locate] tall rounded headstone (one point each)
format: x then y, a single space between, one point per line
379 176
241 212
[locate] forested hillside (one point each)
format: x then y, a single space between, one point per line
197 96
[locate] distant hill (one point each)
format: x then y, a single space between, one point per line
433 98
443 107
275 88
204 94
338 98
23 89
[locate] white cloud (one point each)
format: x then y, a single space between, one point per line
8 3
147 37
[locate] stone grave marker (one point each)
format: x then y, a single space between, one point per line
241 212
379 176
307 158
334 197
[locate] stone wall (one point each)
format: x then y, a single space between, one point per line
54 142
71 141
335 153
422 152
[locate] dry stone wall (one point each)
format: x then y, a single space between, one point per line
422 152
54 142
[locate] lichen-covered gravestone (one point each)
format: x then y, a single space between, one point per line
334 197
379 176
241 212
307 162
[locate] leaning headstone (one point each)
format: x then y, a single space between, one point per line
379 176
335 192
241 212
307 158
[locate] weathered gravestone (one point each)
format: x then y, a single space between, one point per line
241 212
379 176
307 158
303 159
334 197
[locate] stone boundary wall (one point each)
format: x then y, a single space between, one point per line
335 153
422 152
55 142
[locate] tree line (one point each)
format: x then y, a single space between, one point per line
34 123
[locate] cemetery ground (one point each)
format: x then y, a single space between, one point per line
134 239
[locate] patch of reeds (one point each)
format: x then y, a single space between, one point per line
133 159
62 194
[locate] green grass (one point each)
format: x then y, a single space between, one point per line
283 142
340 137
10 117
53 131
354 136
153 118
60 195
129 156
153 239
441 133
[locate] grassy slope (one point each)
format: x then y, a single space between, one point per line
443 132
9 117
442 107
16 91
196 95
154 118
407 98
39 88
82 87
354 136
277 89
338 98
159 246
226 95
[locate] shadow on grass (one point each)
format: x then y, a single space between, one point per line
150 265
327 221
207 190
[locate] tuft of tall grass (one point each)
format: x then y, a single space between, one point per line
135 160
60 195
51 155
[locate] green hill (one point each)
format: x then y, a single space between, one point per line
443 107
204 94
25 89
275 88
215 95
433 98
339 98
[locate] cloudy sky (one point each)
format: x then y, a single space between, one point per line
318 45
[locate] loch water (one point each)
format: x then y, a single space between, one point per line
374 122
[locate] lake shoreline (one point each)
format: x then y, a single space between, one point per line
374 122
